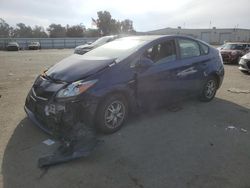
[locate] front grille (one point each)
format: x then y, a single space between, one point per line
225 57
40 92
37 106
248 63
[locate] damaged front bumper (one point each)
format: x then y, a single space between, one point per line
33 118
54 117
66 121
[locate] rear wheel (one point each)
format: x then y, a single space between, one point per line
209 89
112 113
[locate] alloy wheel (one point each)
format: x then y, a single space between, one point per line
114 114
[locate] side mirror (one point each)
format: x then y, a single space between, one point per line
144 63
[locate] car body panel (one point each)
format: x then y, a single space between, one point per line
66 69
34 46
233 55
244 64
82 49
13 46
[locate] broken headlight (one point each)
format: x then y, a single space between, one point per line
75 88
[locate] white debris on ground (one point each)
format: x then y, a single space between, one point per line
236 90
231 127
49 142
243 130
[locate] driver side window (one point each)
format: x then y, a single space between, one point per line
162 53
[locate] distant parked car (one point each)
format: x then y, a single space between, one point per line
221 47
87 47
245 63
232 52
13 46
34 46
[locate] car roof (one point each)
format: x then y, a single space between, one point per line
237 43
154 37
12 43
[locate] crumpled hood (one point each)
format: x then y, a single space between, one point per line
76 67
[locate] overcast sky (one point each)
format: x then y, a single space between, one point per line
146 15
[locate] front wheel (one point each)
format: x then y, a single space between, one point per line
111 114
209 90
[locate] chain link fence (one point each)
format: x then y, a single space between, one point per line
46 43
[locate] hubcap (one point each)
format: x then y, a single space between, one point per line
210 89
114 114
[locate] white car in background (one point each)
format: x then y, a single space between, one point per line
244 64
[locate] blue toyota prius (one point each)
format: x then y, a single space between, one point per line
100 87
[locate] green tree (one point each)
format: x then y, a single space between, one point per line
127 26
22 31
4 29
92 33
75 31
38 32
108 25
104 22
115 27
56 30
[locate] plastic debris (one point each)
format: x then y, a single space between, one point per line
231 127
76 142
236 90
49 142
65 153
243 130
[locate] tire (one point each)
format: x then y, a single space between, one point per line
111 114
209 89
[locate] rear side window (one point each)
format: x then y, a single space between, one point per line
204 49
188 48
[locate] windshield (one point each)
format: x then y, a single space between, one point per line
101 41
120 49
233 47
12 43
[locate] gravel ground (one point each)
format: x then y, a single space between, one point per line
201 145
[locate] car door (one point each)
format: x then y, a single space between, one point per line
193 61
157 83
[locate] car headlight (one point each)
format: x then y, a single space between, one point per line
75 88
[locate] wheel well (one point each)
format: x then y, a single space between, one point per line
124 94
217 79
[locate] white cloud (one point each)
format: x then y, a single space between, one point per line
147 15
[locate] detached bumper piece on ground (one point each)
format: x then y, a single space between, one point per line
78 141
68 152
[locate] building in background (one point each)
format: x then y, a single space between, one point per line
212 36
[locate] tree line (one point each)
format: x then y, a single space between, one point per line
104 24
